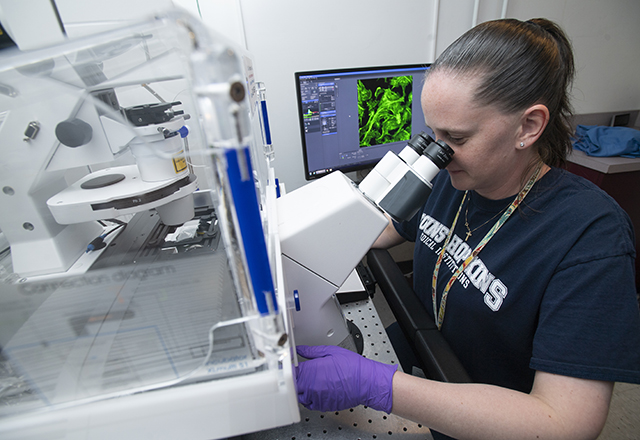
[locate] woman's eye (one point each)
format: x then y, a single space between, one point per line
447 137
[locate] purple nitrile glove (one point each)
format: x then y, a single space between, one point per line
334 379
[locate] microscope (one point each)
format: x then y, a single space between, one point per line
327 226
77 157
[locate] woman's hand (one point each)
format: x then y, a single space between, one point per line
334 379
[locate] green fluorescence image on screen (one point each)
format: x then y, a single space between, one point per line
384 110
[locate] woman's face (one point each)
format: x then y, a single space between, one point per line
484 139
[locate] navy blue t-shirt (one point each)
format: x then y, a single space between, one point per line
553 290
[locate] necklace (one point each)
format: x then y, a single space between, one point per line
470 231
439 314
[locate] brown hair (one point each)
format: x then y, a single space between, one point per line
520 64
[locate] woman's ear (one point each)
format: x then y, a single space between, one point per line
534 121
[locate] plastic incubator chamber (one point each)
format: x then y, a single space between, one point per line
140 291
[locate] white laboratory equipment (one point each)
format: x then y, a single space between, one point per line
141 281
327 226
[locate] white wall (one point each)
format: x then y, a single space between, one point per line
290 35
225 16
605 37
286 36
606 40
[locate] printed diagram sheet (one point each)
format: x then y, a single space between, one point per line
112 331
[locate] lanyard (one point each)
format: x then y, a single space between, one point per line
439 315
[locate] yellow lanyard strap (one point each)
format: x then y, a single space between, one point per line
439 315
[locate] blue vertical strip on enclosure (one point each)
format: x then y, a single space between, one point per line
246 203
265 118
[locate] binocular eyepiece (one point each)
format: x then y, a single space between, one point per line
438 151
401 184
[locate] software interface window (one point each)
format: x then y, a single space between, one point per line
351 118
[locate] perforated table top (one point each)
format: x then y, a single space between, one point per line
358 423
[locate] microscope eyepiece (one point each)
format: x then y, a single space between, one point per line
439 153
420 142
400 184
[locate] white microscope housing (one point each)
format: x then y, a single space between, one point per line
327 226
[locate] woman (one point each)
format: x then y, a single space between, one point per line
528 269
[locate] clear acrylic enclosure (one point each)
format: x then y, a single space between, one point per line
139 252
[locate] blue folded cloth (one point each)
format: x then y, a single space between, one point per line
601 141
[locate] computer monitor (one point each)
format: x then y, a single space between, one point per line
350 118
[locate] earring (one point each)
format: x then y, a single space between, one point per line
521 144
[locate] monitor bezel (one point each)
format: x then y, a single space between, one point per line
362 166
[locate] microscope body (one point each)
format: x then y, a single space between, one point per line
327 226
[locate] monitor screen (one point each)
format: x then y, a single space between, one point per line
350 118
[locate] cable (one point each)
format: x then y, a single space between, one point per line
434 25
505 5
98 242
476 7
